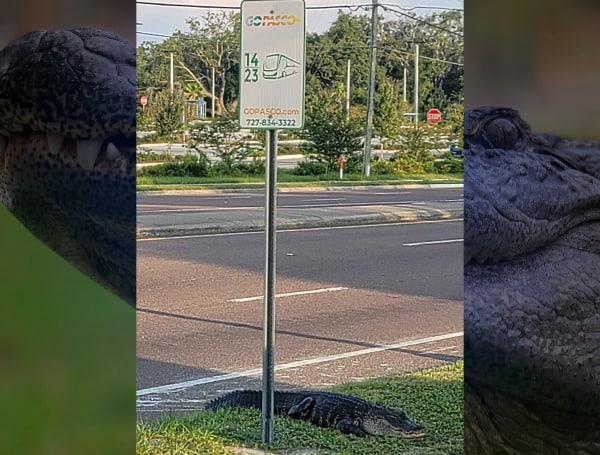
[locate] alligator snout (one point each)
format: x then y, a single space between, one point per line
67 148
532 289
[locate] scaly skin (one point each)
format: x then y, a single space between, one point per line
532 289
326 409
66 96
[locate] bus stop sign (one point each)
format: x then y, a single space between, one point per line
272 64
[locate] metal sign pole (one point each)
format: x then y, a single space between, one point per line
268 377
272 73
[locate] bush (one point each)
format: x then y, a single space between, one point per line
449 165
382 167
411 163
310 168
190 166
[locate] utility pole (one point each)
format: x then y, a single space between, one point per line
171 75
416 109
404 85
348 92
371 91
212 90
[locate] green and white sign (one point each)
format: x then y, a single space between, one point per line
272 64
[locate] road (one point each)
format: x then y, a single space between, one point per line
368 196
354 303
202 213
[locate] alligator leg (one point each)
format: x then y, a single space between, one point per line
349 426
302 409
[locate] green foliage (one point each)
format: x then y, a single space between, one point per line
412 163
449 165
382 167
222 135
329 133
310 168
192 165
168 113
212 42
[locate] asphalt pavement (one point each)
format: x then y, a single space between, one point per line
377 290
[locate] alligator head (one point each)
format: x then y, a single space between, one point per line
532 289
67 148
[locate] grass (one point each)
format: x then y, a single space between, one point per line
433 398
287 179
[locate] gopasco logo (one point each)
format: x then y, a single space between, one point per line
272 21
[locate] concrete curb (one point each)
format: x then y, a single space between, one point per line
303 223
283 189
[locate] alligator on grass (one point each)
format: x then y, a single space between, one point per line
532 289
348 414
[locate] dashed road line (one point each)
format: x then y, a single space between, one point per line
433 242
289 294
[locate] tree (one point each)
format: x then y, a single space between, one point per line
222 136
329 133
168 114
212 44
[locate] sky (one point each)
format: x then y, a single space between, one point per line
164 20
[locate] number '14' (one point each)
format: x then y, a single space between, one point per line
251 61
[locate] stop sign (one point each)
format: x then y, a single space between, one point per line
434 116
143 100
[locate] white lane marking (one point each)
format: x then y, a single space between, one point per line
391 192
200 209
283 231
301 363
324 199
434 242
289 294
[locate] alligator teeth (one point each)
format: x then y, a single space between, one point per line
87 152
55 142
112 152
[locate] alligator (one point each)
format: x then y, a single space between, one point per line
531 289
348 414
67 148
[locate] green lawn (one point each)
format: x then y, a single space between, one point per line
433 398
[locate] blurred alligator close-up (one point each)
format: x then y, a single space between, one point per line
532 289
345 413
67 148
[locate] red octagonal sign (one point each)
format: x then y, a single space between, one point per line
434 116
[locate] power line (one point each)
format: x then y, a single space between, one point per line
186 5
421 21
319 46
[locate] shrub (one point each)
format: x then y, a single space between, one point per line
190 166
412 163
310 168
382 167
449 165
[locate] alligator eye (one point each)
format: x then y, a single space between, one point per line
502 133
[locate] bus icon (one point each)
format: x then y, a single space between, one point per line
278 66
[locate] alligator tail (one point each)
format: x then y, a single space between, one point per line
236 399
284 400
